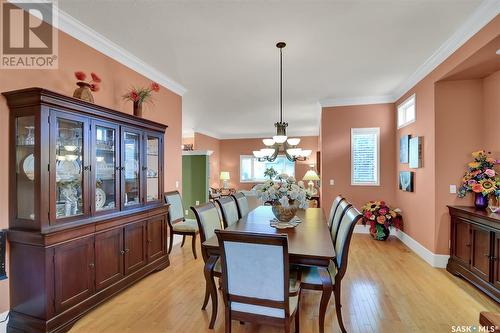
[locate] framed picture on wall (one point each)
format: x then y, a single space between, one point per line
416 152
404 142
406 181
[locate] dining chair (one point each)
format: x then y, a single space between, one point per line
208 219
229 210
242 204
319 278
256 285
177 223
333 209
337 218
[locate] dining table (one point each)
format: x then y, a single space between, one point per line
309 244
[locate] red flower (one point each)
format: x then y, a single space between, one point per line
80 75
155 86
95 78
134 96
94 87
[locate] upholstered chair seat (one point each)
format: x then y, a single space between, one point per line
187 226
310 274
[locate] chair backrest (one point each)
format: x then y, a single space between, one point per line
344 235
176 208
333 209
208 219
242 203
255 273
229 210
337 218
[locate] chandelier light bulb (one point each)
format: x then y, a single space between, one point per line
279 138
268 142
293 141
294 151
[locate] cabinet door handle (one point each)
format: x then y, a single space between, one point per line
150 241
122 252
486 255
127 250
91 265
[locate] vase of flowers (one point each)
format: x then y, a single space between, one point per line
381 217
284 195
139 96
85 88
481 179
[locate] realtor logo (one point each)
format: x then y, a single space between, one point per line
28 34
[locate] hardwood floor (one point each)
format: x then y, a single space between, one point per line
387 288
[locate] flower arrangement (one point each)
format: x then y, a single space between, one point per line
283 191
271 173
143 94
480 176
92 84
381 217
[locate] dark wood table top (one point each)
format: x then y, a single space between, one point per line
309 243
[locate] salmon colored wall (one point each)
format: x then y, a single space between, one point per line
336 124
491 102
205 142
423 208
231 149
74 55
459 110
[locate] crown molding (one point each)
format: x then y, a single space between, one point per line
485 12
382 99
92 38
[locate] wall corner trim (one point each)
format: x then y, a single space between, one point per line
435 260
87 35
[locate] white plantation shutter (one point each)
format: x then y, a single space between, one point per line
365 156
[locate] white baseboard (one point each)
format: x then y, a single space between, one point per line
3 326
435 260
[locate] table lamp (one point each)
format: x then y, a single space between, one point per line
311 176
224 176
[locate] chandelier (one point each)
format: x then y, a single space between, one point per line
280 142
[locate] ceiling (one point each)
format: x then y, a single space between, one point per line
224 54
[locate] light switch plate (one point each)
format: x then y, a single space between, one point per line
186 212
176 184
197 202
453 189
332 182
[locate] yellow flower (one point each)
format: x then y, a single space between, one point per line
488 186
393 213
477 154
474 165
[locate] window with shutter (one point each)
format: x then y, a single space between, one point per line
406 112
365 161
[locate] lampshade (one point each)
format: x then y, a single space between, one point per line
268 142
294 151
267 151
293 141
311 175
258 153
279 138
305 152
224 175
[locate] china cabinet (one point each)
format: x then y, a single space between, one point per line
87 216
475 248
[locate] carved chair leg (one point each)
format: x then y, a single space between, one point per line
209 278
183 239
325 296
207 296
297 318
171 243
193 246
338 307
228 320
287 326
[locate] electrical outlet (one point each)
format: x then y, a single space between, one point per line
176 184
453 189
197 202
332 182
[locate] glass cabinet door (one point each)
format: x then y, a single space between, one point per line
131 168
105 166
152 168
69 177
25 167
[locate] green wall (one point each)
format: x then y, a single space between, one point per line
195 175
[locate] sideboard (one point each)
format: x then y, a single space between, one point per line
87 216
475 248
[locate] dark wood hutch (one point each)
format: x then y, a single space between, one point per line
475 248
87 216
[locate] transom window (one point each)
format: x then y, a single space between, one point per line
252 171
365 156
406 112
